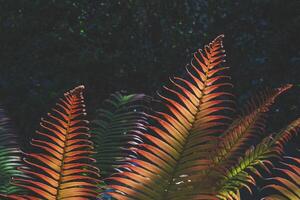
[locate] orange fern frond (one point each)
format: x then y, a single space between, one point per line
288 184
248 126
287 134
60 167
178 140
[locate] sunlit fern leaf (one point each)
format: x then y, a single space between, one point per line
116 126
61 165
178 141
10 157
287 185
241 175
248 126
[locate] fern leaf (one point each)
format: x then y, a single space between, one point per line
237 138
288 184
61 165
241 175
10 157
116 127
181 135
247 127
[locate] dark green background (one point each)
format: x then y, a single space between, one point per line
48 47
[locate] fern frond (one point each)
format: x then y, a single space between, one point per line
116 127
178 140
60 166
241 133
288 184
250 125
10 157
241 175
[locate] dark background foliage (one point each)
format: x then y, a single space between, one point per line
48 47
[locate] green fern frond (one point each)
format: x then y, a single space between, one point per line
241 175
10 157
236 140
116 127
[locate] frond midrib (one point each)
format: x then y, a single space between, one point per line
59 189
189 136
